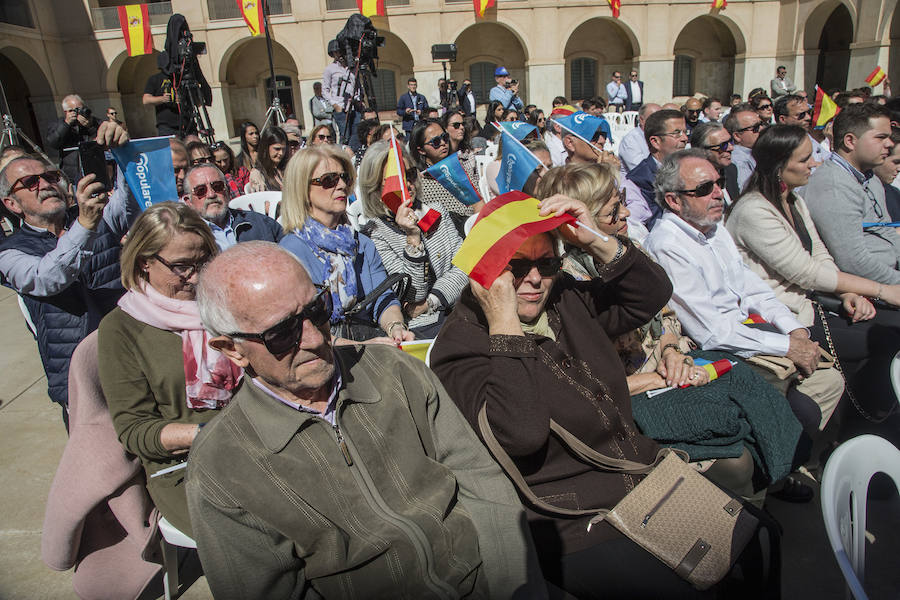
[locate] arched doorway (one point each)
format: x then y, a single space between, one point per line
483 47
589 65
395 67
245 78
704 59
834 50
28 93
130 83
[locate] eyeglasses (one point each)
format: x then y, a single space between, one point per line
283 337
875 206
201 160
182 270
455 125
723 147
31 182
692 111
437 140
201 190
322 137
547 267
705 188
754 128
764 107
803 114
330 180
677 133
112 113
613 215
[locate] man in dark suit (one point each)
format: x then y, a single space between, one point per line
466 96
411 106
634 92
715 139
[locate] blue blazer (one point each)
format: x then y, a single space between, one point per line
404 102
628 100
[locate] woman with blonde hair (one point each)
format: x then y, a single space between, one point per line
161 379
314 205
405 248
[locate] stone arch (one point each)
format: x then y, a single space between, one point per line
490 42
894 46
833 24
28 92
713 47
617 53
244 72
128 76
396 58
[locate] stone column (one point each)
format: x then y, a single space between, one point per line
657 75
863 58
545 82
220 112
758 72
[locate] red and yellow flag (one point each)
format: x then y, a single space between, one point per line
615 5
254 17
135 22
371 8
876 76
482 5
719 4
824 109
714 369
393 186
502 226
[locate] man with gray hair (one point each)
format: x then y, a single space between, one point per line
744 125
715 293
339 471
206 191
715 139
75 126
633 148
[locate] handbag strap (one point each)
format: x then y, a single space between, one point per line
581 449
389 282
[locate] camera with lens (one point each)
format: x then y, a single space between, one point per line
453 85
359 40
83 111
188 49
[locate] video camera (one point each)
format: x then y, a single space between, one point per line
188 49
179 63
359 38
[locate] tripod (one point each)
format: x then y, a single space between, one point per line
11 133
199 117
362 88
274 111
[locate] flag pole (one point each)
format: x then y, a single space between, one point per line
395 150
600 150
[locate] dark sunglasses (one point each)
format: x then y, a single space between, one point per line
183 270
456 125
692 111
201 160
754 128
803 114
31 182
764 106
437 140
284 337
323 137
723 147
330 180
613 215
201 190
704 189
547 267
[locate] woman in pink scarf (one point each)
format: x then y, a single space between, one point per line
161 379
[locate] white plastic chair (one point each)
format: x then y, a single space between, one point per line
491 150
262 202
470 222
895 375
355 215
172 538
630 118
845 484
481 163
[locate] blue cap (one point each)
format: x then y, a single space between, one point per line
500 72
519 129
584 125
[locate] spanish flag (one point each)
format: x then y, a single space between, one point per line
135 22
394 191
502 226
615 5
824 109
713 369
254 15
876 76
719 4
482 5
371 8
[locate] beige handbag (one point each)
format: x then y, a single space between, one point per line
674 513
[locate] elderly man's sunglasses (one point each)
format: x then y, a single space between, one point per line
705 188
284 337
547 267
201 160
437 140
330 180
31 182
201 190
723 147
754 128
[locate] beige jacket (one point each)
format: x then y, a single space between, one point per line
772 250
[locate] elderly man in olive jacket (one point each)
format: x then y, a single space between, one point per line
339 472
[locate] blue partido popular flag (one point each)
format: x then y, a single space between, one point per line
585 126
450 174
147 164
518 128
517 165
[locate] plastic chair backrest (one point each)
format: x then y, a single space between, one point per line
265 203
481 163
630 117
491 150
845 485
355 215
895 375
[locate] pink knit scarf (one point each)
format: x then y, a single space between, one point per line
209 376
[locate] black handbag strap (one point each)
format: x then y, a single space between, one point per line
581 449
404 281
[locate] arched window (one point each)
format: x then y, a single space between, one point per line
683 76
385 87
482 76
583 77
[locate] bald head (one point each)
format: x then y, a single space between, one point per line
647 110
670 106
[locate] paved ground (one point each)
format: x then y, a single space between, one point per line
32 438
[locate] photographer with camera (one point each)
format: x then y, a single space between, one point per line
447 99
506 91
338 84
75 126
159 93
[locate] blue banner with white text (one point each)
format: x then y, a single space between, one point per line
517 165
450 174
147 164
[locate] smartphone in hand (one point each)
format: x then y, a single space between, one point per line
91 159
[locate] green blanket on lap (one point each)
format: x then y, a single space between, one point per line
716 420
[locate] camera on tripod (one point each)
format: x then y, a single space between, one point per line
188 49
359 40
192 92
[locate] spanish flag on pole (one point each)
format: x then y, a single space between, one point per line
394 191
482 5
615 5
719 4
254 17
371 8
502 226
876 76
824 109
135 22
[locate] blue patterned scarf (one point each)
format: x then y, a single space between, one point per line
336 249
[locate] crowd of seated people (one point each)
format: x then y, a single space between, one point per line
272 346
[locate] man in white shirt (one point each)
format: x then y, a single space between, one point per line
714 292
744 125
615 89
634 91
795 110
633 147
